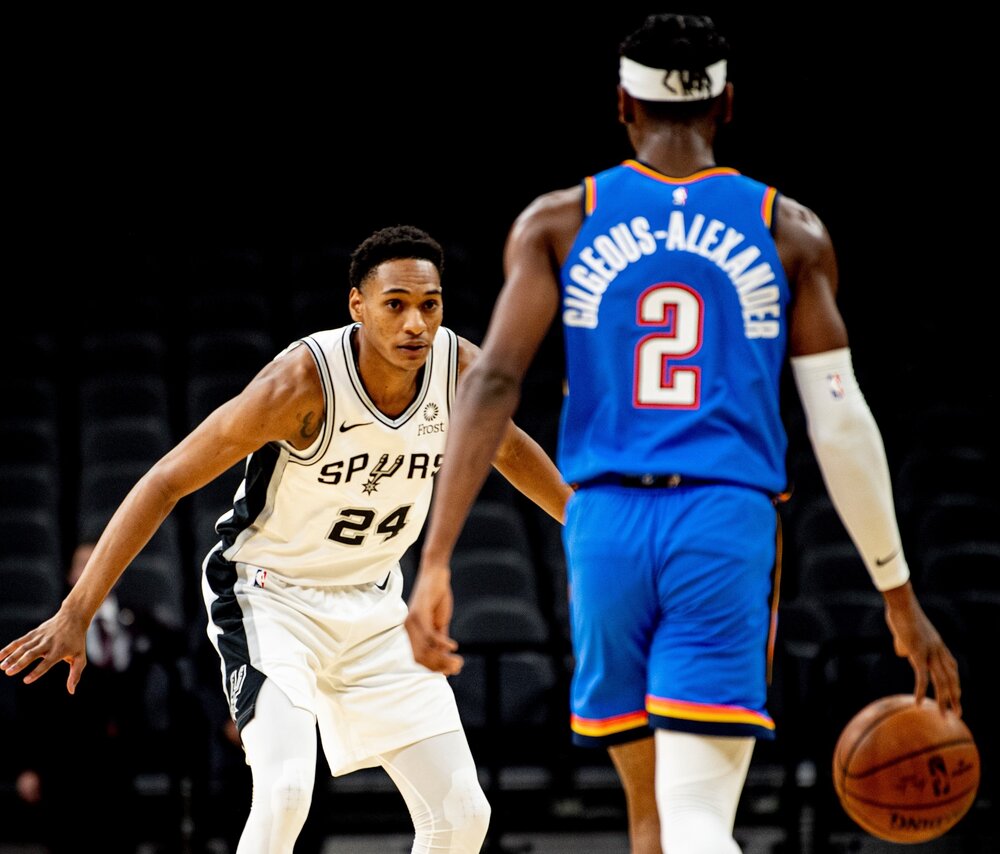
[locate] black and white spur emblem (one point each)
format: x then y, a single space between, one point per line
380 471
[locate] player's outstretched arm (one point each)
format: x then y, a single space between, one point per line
279 403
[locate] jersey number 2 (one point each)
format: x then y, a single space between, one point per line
657 383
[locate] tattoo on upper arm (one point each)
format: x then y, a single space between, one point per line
310 425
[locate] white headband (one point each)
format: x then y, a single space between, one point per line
658 84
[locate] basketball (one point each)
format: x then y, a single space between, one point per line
903 772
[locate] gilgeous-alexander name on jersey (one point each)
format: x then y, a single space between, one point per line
674 307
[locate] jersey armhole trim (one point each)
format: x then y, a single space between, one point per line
318 448
769 209
452 366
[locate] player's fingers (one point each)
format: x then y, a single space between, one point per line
438 639
900 650
424 635
8 651
76 666
445 641
440 662
947 687
18 660
433 649
43 667
449 664
920 686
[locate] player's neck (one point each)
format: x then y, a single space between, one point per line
391 388
675 151
390 395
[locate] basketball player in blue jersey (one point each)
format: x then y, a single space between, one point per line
682 287
343 435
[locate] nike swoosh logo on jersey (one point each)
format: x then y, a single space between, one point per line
344 426
883 561
384 584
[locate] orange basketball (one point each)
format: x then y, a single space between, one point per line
903 772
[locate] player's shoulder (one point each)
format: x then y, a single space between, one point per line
799 225
468 352
551 213
325 337
554 201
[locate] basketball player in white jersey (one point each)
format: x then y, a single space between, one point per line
342 435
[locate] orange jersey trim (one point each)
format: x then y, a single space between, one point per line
772 633
589 195
767 206
597 727
690 179
706 712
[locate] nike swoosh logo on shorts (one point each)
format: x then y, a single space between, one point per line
384 584
344 426
883 561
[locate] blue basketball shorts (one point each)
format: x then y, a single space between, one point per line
671 610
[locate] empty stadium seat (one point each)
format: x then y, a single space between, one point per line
110 396
494 525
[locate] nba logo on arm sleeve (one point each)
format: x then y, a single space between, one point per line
836 386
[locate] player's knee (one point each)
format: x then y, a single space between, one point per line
289 794
690 824
466 814
474 821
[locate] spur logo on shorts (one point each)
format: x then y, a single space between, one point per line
236 680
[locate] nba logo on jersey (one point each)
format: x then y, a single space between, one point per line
259 578
680 196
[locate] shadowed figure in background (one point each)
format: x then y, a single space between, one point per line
78 754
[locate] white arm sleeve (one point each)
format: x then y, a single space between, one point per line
848 447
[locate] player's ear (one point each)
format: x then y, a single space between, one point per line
355 302
626 107
726 113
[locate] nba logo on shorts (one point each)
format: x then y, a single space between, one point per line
259 578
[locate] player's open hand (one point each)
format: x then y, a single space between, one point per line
431 606
62 637
915 638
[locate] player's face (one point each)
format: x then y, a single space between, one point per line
400 309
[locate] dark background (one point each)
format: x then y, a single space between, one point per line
134 141
170 153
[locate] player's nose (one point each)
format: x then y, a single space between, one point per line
414 322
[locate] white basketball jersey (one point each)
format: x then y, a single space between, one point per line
344 510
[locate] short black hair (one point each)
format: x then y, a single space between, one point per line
389 244
687 43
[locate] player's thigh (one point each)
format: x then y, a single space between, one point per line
613 609
611 562
715 595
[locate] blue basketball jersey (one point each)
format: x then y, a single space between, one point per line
674 311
